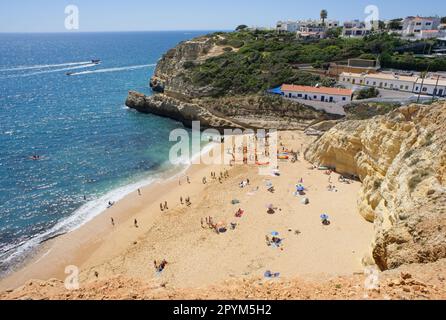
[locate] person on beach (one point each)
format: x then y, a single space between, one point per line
112 221
181 200
139 192
188 180
136 223
85 198
165 206
161 207
160 267
204 180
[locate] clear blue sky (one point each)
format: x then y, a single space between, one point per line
131 15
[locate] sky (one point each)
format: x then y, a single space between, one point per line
156 15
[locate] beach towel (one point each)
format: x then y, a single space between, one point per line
269 274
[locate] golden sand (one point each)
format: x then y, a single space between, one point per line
199 256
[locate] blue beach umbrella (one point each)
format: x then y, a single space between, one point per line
300 188
325 217
274 233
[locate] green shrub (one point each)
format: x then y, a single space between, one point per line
367 93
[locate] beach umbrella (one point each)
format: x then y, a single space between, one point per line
275 234
325 217
270 206
300 188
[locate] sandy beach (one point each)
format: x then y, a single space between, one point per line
199 256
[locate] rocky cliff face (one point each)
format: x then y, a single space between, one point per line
176 96
171 74
401 160
184 112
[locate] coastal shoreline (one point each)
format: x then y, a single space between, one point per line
39 247
98 248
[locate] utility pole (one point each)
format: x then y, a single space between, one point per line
422 82
436 88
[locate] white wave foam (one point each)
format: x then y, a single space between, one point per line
76 220
44 66
91 210
113 69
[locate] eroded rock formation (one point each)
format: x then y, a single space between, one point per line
401 160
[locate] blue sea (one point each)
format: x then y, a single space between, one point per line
90 145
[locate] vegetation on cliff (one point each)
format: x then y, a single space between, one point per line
254 61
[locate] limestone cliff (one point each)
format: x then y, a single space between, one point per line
176 109
177 96
401 160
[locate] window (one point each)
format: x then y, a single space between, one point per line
401 87
344 98
424 89
385 84
314 97
374 83
299 95
407 87
367 82
417 88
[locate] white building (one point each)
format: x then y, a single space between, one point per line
434 85
430 34
355 28
322 94
294 26
415 25
287 26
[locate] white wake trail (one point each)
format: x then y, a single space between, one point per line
44 66
113 69
53 70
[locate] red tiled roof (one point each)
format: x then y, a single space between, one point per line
322 90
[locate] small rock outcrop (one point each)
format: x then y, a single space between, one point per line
401 160
175 109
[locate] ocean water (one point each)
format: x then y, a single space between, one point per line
90 144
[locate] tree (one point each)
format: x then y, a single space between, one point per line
324 15
367 93
241 27
333 33
395 24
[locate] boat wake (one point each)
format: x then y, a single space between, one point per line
54 70
113 69
44 66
